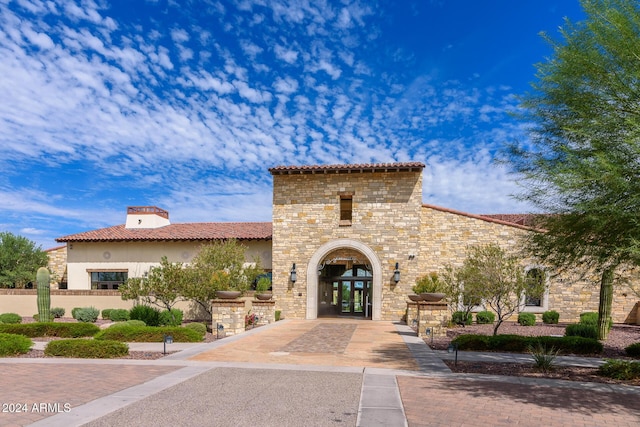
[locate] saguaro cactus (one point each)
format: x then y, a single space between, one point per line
44 295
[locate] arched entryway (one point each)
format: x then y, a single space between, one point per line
344 277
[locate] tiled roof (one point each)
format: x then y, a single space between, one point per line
356 168
177 232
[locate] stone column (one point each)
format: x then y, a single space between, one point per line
412 314
228 313
264 310
432 315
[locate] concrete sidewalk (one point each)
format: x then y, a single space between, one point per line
302 373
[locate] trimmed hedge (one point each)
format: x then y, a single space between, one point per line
128 333
526 319
50 329
589 318
485 317
171 318
106 313
10 318
521 344
620 369
86 348
119 315
198 327
12 344
149 315
586 330
458 318
633 350
550 317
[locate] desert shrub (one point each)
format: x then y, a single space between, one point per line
74 312
119 314
149 315
10 318
12 344
526 319
106 313
57 312
86 348
485 317
87 314
520 344
589 318
633 350
585 330
620 369
50 329
171 318
278 314
148 334
471 342
543 357
458 318
551 317
198 327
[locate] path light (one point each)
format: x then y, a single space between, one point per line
294 274
168 339
429 333
220 330
396 274
453 347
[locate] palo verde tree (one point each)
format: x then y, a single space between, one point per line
19 260
219 266
498 279
582 163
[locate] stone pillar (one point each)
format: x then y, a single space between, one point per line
264 310
432 315
228 313
412 314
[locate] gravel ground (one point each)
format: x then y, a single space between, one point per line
620 336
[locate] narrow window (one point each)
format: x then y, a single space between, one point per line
535 285
346 208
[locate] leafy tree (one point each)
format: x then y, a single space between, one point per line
161 286
498 279
462 296
219 266
19 260
582 163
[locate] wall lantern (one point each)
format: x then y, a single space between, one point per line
294 274
396 274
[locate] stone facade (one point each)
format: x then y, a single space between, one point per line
58 266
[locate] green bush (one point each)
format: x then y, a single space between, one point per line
198 327
585 330
57 312
74 312
171 318
520 344
278 314
543 357
633 350
87 314
589 318
12 344
458 318
50 329
551 317
106 313
149 315
10 318
526 319
86 348
128 333
620 369
119 315
485 317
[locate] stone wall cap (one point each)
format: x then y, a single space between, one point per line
348 168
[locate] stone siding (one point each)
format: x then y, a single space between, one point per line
58 266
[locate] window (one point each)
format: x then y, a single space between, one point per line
107 280
346 208
536 296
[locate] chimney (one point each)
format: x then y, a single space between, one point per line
146 217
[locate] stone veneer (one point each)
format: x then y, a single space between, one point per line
58 265
230 314
385 222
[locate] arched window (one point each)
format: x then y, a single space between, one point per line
534 295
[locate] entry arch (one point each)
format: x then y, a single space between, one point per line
321 253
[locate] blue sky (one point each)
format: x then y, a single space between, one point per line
185 105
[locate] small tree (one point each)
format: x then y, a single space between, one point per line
161 286
463 297
499 279
219 266
19 260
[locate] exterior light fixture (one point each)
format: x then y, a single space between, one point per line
396 274
294 274
168 339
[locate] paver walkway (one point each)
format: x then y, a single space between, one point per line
330 372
